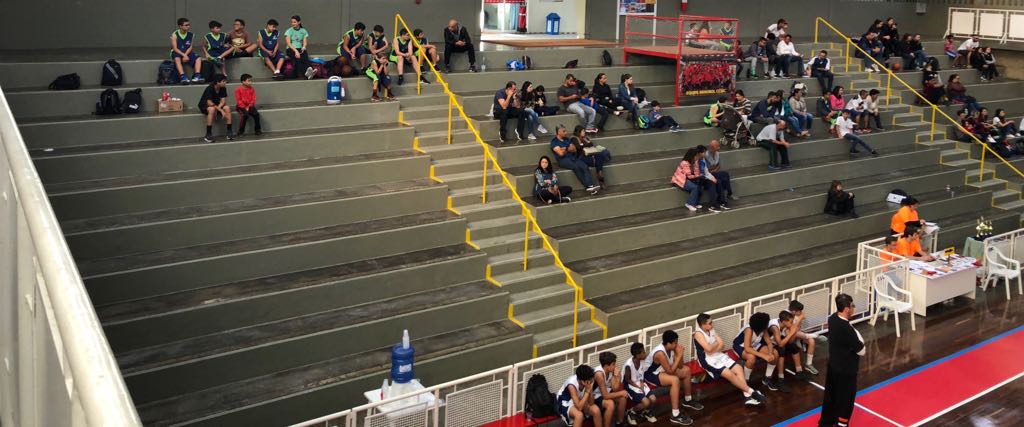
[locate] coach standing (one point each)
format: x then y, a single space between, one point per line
845 348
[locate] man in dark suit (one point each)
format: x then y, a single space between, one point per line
456 39
845 348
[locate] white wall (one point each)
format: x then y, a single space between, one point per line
572 20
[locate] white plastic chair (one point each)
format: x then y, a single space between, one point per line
891 297
1002 267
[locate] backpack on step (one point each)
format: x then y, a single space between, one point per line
112 74
934 62
527 62
66 82
606 58
643 122
540 402
132 102
109 103
166 73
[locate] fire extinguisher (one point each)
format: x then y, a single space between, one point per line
683 6
522 18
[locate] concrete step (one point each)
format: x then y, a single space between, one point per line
453 151
1000 197
164 229
460 135
952 155
558 339
1016 205
115 279
541 298
115 196
990 184
864 84
472 195
940 141
510 226
532 279
195 364
505 244
495 208
905 118
183 315
915 125
550 318
464 180
471 163
513 262
427 112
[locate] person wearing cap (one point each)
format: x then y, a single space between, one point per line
907 214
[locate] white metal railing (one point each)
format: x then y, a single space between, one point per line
498 393
58 369
990 24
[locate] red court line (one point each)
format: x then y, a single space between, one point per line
860 418
938 388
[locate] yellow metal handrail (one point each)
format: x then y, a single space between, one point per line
531 221
935 108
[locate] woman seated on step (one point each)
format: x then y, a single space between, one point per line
546 187
603 94
957 92
595 156
839 202
689 179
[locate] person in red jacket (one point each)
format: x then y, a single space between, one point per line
245 103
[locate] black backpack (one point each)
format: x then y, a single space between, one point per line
606 58
112 75
527 62
109 103
935 63
166 74
66 82
132 102
540 402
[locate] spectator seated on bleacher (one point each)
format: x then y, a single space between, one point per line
641 397
917 49
593 155
1007 128
773 139
753 344
629 99
824 109
796 114
788 55
715 112
845 130
567 157
665 368
985 62
875 52
957 92
524 101
933 89
999 143
688 178
504 110
569 96
821 69
711 355
599 110
603 94
659 120
758 53
949 48
457 40
839 202
546 186
871 110
541 105
855 106
965 53
713 160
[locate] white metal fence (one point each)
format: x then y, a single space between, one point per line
990 24
496 394
57 367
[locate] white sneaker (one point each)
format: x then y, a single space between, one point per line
875 67
531 137
691 207
310 72
541 129
644 104
593 189
991 140
516 131
566 200
1016 135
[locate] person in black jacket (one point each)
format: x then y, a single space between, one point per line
839 202
456 39
845 348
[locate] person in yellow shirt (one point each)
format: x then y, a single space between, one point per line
906 213
909 245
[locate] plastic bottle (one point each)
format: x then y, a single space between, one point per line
402 357
384 389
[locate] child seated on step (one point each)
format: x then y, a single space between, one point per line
541 107
353 45
665 368
245 104
717 364
429 50
270 50
641 397
378 73
576 398
217 47
609 395
214 103
404 55
182 52
659 120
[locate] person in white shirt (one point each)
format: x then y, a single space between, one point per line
844 128
871 110
967 48
779 28
856 108
773 139
786 54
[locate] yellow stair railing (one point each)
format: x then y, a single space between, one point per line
490 161
935 109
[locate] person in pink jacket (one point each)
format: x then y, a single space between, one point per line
687 178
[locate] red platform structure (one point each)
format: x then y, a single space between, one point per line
703 48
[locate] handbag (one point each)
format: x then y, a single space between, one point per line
594 149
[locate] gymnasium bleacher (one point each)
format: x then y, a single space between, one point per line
263 281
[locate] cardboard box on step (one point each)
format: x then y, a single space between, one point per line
170 105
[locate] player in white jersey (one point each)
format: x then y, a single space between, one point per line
782 332
609 395
808 340
665 368
641 396
752 343
576 398
719 365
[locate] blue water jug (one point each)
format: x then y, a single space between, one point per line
402 356
334 90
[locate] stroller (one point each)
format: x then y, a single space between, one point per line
734 131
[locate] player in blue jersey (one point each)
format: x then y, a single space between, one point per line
182 52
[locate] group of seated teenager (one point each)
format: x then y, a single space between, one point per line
997 130
701 171
970 53
612 396
883 41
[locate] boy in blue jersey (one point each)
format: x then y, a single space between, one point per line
353 44
428 49
181 52
575 401
665 368
270 50
377 42
217 47
753 343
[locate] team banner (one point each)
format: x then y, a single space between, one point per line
706 75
